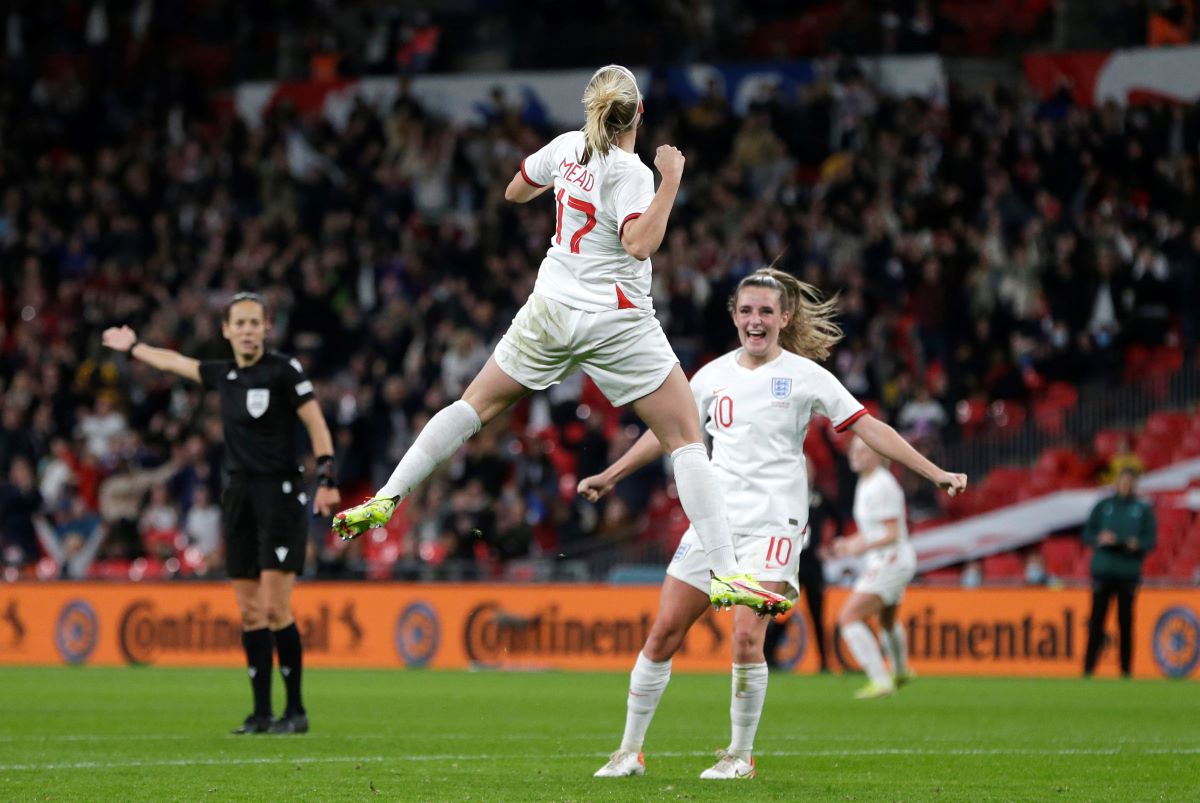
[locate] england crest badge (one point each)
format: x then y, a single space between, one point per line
781 387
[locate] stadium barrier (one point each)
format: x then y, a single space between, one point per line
1029 632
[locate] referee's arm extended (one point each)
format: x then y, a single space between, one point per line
122 338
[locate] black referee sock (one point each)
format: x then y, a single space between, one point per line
291 666
259 660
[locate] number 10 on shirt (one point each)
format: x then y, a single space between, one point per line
582 206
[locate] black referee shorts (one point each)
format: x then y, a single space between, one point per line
266 526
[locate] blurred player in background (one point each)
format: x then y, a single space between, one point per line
264 508
756 403
891 562
591 309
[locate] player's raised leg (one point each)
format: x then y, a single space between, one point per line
863 646
679 606
670 412
489 394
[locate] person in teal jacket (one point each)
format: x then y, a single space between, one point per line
1121 532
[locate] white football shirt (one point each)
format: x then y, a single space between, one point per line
586 267
878 498
758 419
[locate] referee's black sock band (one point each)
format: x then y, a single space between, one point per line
259 660
291 666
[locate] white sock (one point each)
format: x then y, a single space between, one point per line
704 503
647 682
745 706
895 646
440 438
865 650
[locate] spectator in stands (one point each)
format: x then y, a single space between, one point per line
1124 459
71 539
19 502
121 497
1121 531
202 526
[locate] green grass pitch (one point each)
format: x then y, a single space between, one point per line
162 734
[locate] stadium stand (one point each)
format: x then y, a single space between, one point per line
1011 264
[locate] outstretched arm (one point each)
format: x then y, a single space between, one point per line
122 338
643 451
885 440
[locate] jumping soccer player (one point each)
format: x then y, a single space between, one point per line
756 402
264 508
591 310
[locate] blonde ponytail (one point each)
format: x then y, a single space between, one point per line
611 104
811 332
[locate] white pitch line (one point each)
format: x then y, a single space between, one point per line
898 751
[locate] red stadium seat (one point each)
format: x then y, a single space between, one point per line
1005 566
1107 442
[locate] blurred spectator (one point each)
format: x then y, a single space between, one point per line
121 498
100 426
972 574
202 525
1035 568
19 502
922 418
71 539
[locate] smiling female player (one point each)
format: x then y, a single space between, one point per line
591 309
756 403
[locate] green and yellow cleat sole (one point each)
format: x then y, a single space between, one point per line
741 589
373 513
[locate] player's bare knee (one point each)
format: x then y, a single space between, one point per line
663 644
747 646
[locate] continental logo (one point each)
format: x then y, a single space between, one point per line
11 621
76 632
147 631
1029 638
1177 641
418 634
493 635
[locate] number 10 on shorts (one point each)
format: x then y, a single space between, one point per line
779 552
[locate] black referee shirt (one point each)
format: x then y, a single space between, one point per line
258 412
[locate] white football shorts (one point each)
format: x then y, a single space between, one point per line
887 575
768 558
624 351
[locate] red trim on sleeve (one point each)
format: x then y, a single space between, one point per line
842 426
629 217
528 180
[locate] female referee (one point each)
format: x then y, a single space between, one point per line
591 309
264 516
756 402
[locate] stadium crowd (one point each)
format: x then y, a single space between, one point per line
980 251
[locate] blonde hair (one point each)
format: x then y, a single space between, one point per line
611 102
811 332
